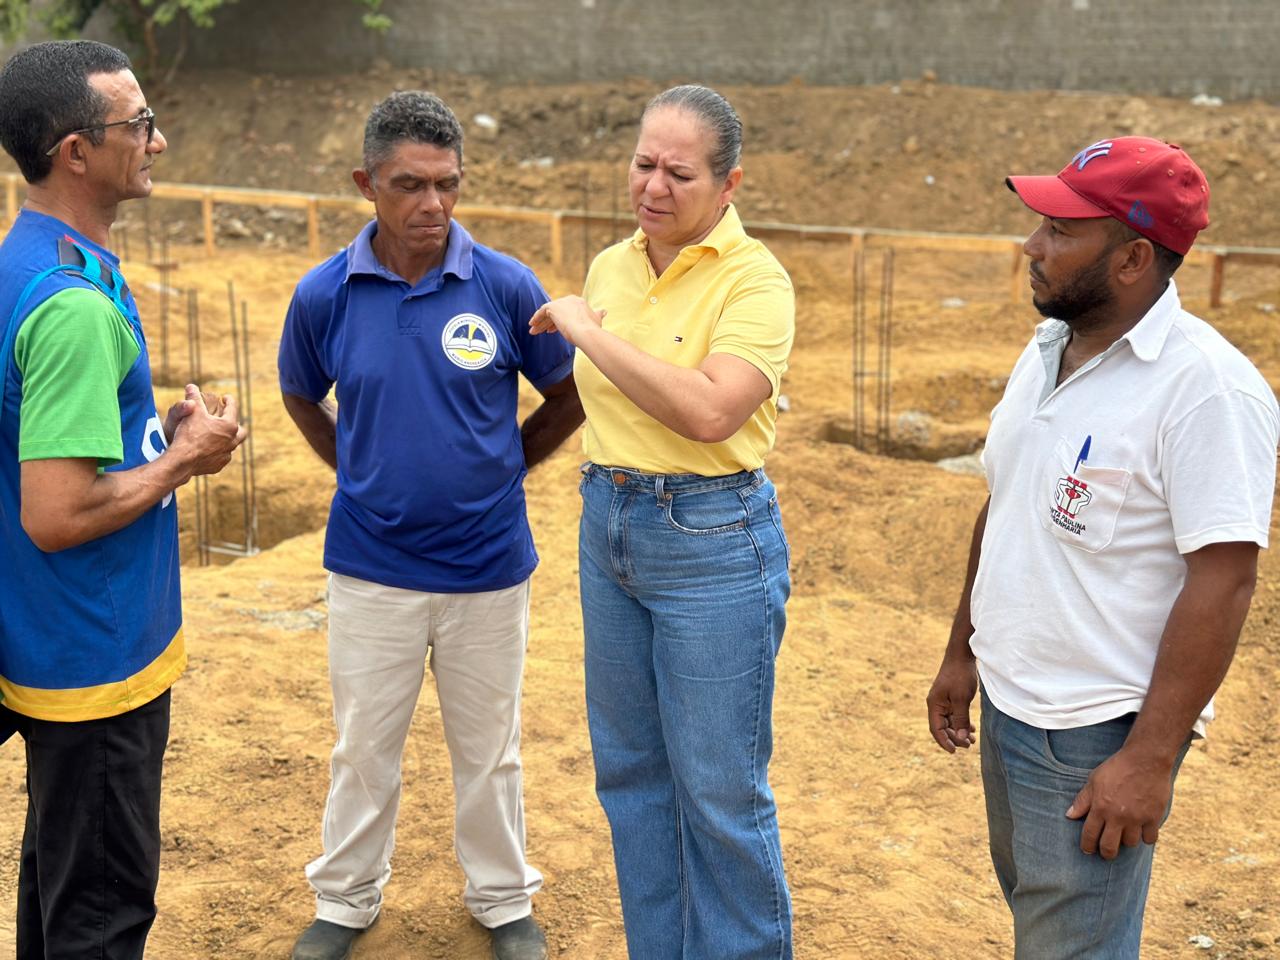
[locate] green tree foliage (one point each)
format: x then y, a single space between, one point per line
141 22
375 19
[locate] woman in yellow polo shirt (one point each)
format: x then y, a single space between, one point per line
682 338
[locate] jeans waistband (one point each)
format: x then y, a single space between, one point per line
666 483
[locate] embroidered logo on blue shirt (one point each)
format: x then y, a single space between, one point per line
469 341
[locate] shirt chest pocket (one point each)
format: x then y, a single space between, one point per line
1080 505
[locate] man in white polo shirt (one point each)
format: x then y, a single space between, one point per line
1131 465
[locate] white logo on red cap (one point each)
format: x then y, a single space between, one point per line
1091 152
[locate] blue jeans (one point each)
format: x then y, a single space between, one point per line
1065 904
684 584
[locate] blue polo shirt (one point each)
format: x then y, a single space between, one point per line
430 466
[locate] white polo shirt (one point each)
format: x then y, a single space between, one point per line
1164 443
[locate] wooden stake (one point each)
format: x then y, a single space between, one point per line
1018 276
313 227
206 210
1215 284
557 241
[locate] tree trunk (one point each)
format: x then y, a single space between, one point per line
177 55
144 27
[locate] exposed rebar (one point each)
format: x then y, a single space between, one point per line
859 344
613 203
861 436
251 542
165 268
586 224
239 321
199 484
885 381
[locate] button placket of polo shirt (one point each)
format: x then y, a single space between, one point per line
652 302
407 317
657 288
661 284
408 322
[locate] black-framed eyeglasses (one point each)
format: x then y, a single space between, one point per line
147 116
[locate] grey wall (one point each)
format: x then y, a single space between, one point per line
1177 47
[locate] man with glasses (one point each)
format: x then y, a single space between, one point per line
90 616
147 117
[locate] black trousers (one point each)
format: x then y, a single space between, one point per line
91 850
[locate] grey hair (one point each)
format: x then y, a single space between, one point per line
715 114
409 115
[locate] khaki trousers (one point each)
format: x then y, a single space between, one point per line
380 640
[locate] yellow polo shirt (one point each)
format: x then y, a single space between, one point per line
726 294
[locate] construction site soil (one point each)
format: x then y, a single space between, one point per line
884 835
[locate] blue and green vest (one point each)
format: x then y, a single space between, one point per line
94 630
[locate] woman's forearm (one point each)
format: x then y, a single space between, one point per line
708 404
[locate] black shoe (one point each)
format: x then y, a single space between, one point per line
326 941
520 939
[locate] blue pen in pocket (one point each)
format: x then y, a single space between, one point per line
1084 453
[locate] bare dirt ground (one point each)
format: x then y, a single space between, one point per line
844 155
884 835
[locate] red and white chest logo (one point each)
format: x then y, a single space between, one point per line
1072 496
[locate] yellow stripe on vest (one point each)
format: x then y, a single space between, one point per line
104 700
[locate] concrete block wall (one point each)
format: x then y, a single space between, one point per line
1174 47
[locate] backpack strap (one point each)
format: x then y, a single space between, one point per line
91 267
80 262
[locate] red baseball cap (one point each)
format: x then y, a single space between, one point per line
1152 186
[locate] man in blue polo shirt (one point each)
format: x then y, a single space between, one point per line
423 333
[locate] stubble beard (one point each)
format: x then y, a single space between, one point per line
1084 302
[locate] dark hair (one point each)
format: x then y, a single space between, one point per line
715 113
1167 262
412 115
45 94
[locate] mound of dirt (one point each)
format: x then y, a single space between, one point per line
916 155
